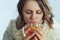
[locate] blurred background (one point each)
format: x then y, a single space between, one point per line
8 11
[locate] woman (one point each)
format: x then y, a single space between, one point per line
32 11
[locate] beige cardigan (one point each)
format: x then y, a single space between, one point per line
13 34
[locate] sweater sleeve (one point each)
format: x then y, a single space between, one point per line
7 36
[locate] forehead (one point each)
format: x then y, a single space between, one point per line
32 5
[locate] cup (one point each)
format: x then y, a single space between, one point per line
31 27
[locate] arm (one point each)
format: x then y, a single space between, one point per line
7 36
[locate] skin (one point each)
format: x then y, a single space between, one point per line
32 13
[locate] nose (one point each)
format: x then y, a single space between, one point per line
33 16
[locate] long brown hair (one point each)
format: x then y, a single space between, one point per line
47 13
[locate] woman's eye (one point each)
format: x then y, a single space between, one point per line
28 12
39 12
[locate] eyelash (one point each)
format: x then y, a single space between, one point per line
36 12
39 12
28 12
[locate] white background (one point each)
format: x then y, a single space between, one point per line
8 11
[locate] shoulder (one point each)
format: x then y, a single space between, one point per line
8 34
11 27
56 27
54 34
11 24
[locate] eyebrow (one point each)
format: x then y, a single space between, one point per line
31 10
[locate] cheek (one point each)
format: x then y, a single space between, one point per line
26 18
40 16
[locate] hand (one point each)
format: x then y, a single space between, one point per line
28 37
40 33
30 34
31 37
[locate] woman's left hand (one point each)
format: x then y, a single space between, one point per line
40 33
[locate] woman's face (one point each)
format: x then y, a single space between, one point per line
32 13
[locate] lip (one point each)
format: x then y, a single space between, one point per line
33 22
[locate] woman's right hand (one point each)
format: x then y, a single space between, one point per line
30 37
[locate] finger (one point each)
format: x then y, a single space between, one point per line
41 28
26 27
35 38
42 33
26 31
29 37
38 35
